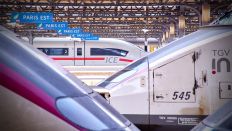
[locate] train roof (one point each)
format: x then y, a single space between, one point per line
192 40
221 25
176 47
106 40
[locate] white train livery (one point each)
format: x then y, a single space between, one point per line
102 52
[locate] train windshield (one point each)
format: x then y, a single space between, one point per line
124 73
224 20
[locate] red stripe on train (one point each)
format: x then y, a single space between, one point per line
89 58
125 60
71 58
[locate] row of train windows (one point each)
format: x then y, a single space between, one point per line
93 51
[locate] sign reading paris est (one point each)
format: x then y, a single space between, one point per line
31 17
44 20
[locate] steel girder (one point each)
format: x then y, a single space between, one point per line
114 18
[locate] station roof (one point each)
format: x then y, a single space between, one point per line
114 18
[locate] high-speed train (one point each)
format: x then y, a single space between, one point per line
102 52
36 94
179 84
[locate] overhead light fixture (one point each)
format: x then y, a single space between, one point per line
205 12
119 25
145 30
181 22
172 29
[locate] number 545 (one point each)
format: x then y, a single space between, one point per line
181 95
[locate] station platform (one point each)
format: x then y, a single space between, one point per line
92 75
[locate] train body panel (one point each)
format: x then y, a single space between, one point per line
216 76
184 81
22 115
128 91
132 92
192 90
105 51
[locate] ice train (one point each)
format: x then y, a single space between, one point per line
36 94
102 52
179 84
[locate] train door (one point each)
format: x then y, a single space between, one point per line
173 96
79 53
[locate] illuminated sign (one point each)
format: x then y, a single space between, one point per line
53 25
90 38
70 31
31 17
44 20
82 35
85 36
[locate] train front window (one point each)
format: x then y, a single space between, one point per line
124 73
79 51
55 51
108 52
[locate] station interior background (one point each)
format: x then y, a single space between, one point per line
149 24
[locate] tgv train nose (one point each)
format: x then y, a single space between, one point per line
28 73
93 113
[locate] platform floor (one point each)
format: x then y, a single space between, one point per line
92 75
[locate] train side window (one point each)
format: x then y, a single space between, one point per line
226 19
55 51
108 52
44 50
79 51
58 51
